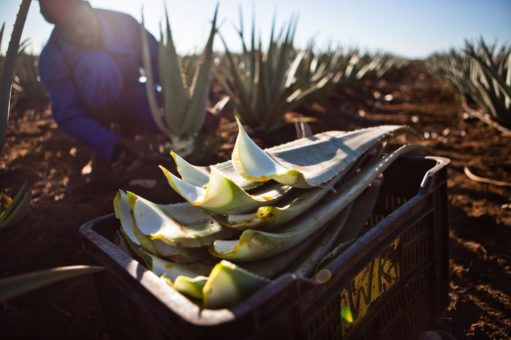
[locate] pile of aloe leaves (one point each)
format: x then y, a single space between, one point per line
244 222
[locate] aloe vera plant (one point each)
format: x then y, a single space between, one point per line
28 85
264 82
219 220
184 99
482 74
12 210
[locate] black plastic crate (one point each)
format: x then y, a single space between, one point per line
393 280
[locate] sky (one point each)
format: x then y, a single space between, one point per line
408 28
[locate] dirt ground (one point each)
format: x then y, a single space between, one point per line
65 196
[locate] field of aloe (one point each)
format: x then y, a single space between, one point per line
236 197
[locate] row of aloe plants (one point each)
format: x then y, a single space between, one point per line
263 81
12 210
481 73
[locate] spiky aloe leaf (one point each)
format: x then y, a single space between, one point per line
292 258
311 165
362 210
194 175
222 195
306 265
351 223
229 284
253 245
190 286
17 285
17 207
8 68
122 209
172 270
268 217
178 225
199 176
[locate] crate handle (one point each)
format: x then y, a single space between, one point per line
427 181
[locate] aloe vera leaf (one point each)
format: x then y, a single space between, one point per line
189 173
170 269
11 287
327 240
17 207
199 176
12 203
178 225
134 236
268 217
254 164
122 209
9 67
18 212
222 195
227 169
362 210
272 266
190 286
254 245
196 111
150 87
122 212
229 284
307 166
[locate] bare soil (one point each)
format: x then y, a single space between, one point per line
65 196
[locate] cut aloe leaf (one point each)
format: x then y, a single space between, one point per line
254 245
122 209
132 233
268 217
287 261
306 265
229 284
199 176
190 286
192 174
362 210
309 165
222 195
178 225
123 214
172 270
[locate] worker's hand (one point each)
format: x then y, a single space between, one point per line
137 150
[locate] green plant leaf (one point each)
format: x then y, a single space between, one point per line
8 68
172 270
222 195
178 225
229 284
190 286
311 165
254 245
17 285
18 207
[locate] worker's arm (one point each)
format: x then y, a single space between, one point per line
68 110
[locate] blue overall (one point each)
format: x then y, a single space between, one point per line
83 84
